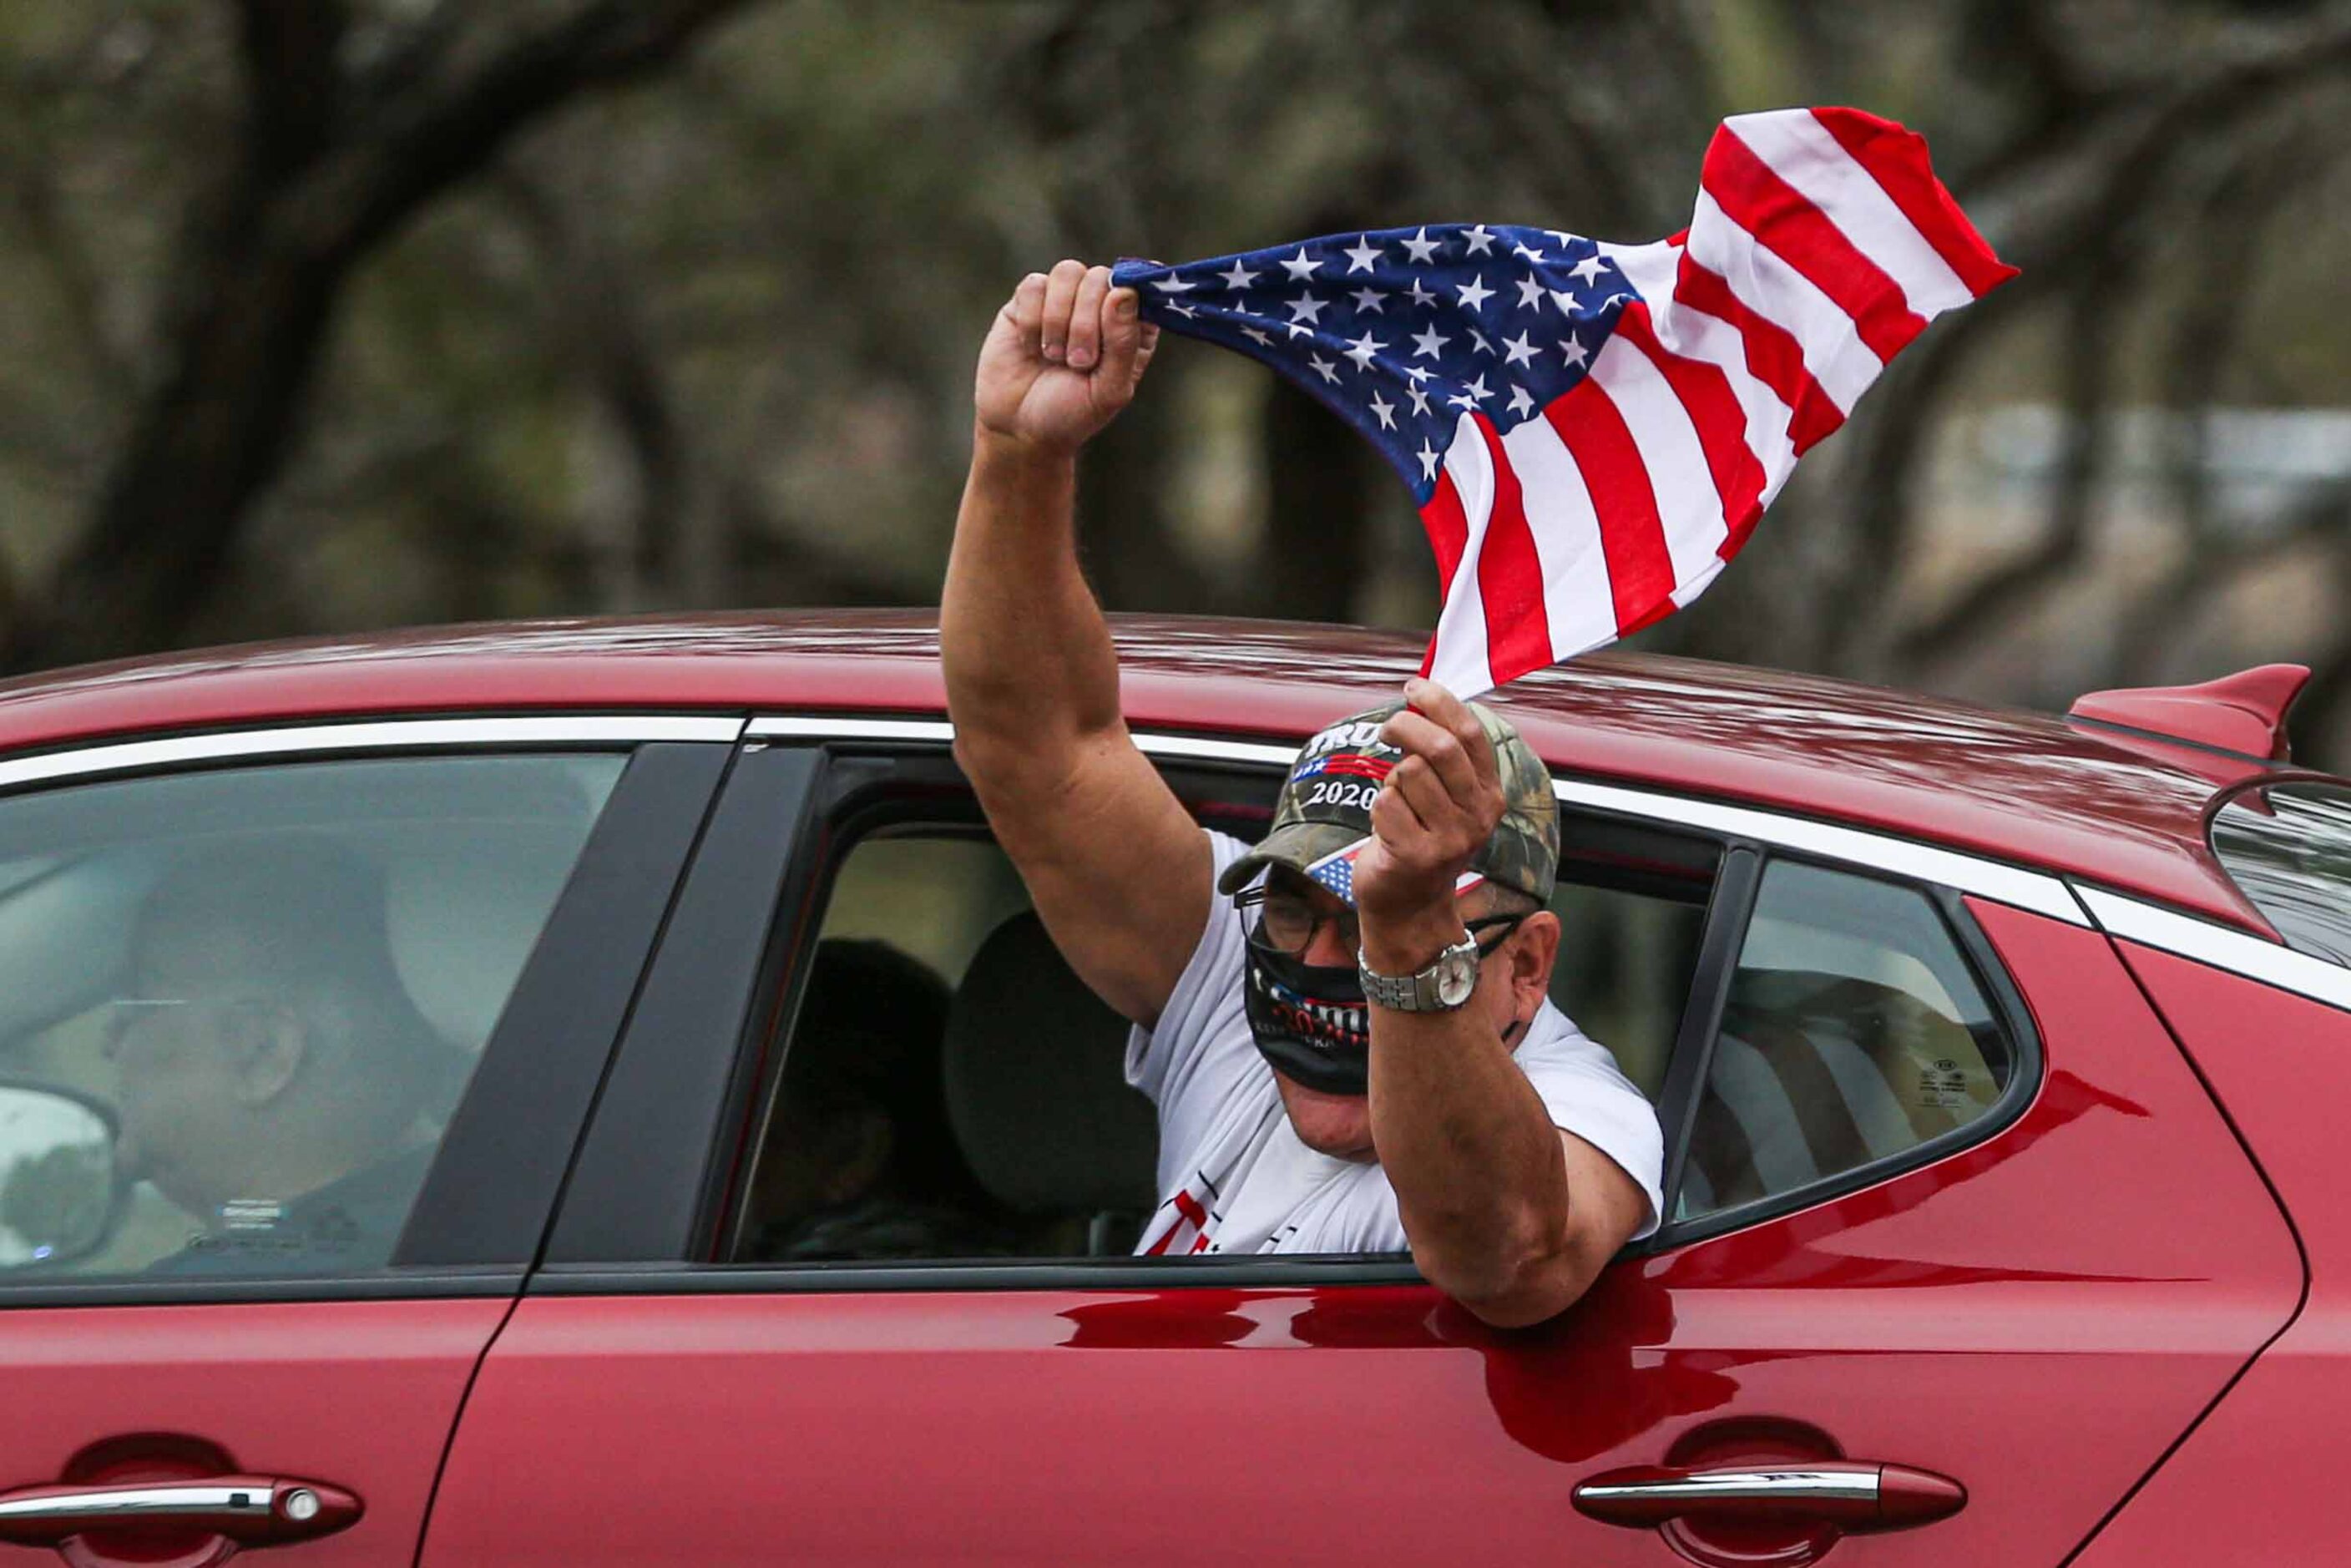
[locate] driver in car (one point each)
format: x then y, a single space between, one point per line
1347 1030
273 1077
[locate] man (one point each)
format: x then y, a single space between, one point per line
1513 1177
274 1079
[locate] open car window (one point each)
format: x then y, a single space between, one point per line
949 1090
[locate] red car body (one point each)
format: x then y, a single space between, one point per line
2111 1320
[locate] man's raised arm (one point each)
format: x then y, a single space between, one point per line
1119 872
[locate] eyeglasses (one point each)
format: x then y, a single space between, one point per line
1287 921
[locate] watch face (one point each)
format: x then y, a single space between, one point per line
1457 976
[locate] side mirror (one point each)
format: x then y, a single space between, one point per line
58 1191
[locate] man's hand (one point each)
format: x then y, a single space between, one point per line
1435 811
1064 355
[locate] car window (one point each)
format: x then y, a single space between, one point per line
2288 848
1856 1030
949 1089
237 1007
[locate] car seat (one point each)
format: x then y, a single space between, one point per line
1038 1096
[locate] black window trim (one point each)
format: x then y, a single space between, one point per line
454 1244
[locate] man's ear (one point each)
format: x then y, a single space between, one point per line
270 1048
1534 948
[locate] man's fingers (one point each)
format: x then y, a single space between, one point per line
1435 807
1440 705
1145 348
1027 309
1061 294
1439 749
1122 341
1397 825
1086 319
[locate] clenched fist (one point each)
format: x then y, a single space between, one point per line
1063 356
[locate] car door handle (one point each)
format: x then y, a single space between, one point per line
252 1511
1856 1498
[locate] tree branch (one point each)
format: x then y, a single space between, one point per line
259 277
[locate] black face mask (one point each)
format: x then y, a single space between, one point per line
1309 1019
1311 1023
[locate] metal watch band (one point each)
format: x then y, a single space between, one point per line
1417 992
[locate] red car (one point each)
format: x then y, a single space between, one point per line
594 1092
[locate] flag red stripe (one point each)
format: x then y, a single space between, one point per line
1785 222
1510 573
1448 535
1773 355
1632 536
1721 425
1449 530
1896 158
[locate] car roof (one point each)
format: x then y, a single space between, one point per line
2027 788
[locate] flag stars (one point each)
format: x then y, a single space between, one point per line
1573 350
1421 248
1518 350
1306 308
1479 338
1474 292
1419 400
1361 350
1239 277
1519 401
1430 459
1259 338
1478 241
1188 313
1415 372
1429 343
1324 368
1172 285
1471 395
1368 302
1530 291
1418 294
1300 266
1362 255
1534 256
1586 271
1384 411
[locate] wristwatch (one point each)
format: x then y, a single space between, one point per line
1440 988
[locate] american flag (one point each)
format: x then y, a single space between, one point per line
1336 870
1592 430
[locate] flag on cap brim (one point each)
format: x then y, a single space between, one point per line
1592 430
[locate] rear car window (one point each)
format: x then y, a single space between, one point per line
1855 1031
2288 848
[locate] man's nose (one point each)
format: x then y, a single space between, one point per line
1329 945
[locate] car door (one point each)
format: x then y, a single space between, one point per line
299 1028
1956 1247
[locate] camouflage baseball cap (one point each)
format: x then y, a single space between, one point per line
1325 805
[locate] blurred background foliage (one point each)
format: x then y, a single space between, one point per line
319 315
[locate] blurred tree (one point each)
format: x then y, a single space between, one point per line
709 342
342 135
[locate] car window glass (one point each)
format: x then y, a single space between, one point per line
2288 848
237 1007
1854 1030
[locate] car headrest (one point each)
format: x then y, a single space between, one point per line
1035 1083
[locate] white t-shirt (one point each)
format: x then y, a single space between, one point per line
1233 1176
